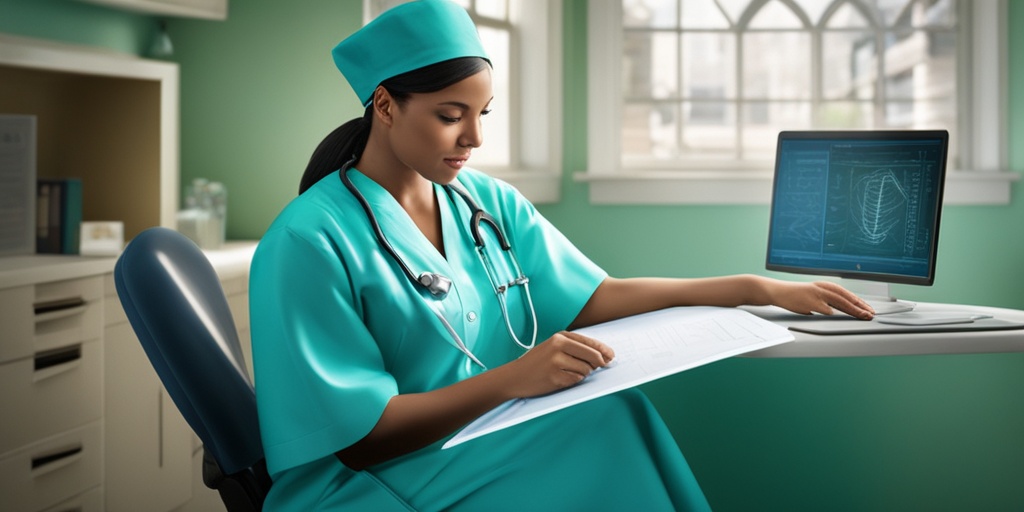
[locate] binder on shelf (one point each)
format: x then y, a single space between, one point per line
58 215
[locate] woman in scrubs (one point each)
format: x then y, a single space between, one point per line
362 373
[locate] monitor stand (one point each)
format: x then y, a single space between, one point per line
878 296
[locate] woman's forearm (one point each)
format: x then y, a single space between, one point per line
617 298
413 421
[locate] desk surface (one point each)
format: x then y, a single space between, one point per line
858 345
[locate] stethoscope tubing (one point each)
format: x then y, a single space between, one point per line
438 285
499 292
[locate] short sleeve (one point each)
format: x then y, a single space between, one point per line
320 380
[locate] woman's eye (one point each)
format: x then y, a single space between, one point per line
449 120
485 112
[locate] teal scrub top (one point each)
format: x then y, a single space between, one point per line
338 329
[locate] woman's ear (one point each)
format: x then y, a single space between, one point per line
382 104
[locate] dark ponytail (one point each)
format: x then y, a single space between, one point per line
348 141
341 145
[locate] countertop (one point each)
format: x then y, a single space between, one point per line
230 261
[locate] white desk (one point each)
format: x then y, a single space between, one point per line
857 345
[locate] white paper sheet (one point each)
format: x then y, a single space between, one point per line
647 347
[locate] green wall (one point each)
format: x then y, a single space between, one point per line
884 433
259 91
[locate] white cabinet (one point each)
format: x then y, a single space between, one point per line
207 9
86 423
51 383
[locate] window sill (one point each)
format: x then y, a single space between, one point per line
754 187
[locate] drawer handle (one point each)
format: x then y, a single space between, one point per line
52 461
55 362
57 357
59 308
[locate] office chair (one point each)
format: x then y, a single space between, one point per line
177 308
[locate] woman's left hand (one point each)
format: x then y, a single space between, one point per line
818 297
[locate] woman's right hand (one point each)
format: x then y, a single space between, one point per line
561 361
414 420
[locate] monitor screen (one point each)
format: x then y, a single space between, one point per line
858 204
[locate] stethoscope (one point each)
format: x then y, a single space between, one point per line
438 285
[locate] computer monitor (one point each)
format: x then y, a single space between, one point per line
863 206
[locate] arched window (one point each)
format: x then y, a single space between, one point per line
706 85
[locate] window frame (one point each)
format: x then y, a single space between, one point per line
536 121
983 88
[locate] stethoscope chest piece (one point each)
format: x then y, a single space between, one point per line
436 284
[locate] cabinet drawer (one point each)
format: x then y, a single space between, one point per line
52 391
67 312
89 501
18 320
53 470
46 316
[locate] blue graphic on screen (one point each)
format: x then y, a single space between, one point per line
857 207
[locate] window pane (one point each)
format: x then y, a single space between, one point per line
899 114
649 13
709 65
709 130
919 115
847 16
497 125
893 11
650 64
775 14
650 130
776 65
762 122
496 9
845 115
814 8
939 69
921 66
924 13
734 8
938 13
900 85
849 65
702 14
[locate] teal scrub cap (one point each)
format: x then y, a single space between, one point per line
407 37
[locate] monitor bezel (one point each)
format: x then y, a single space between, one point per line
863 135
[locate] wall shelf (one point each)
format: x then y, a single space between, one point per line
107 118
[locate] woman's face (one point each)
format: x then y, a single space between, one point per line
434 133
